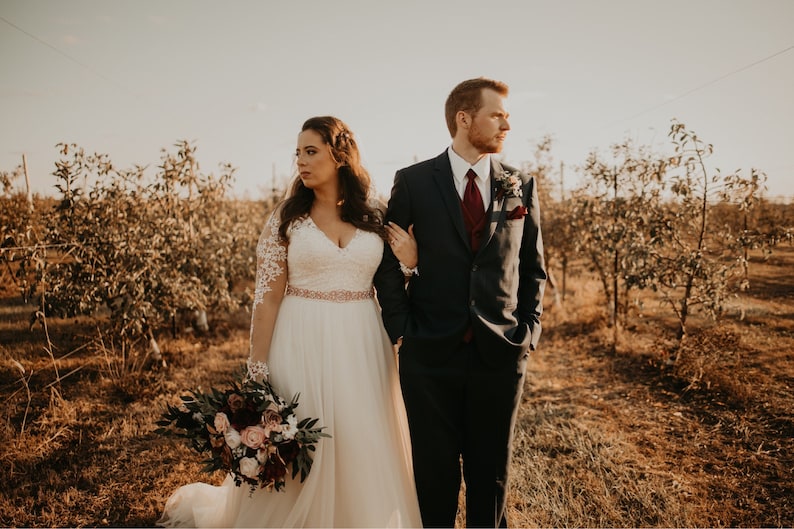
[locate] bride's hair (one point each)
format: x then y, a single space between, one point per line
354 181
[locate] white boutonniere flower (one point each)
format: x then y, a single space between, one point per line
509 184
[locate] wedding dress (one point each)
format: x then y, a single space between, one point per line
330 346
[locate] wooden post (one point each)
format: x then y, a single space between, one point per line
27 181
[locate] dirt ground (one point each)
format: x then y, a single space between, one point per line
604 439
712 434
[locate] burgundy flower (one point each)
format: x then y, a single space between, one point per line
244 418
274 470
289 451
236 402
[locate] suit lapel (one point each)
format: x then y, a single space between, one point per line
494 212
446 185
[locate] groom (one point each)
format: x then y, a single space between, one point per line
470 312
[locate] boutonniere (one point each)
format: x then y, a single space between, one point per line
519 212
509 184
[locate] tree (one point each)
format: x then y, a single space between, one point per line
22 246
145 250
557 247
746 193
615 214
690 270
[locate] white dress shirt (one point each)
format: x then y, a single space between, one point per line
483 169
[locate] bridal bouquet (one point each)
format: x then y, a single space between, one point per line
249 431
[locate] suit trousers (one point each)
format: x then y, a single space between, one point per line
461 409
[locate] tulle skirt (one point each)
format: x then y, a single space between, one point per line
340 360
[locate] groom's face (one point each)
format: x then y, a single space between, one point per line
489 126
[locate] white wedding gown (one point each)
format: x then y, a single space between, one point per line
330 346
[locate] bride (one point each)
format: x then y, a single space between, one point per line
316 330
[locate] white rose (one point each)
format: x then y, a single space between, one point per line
232 437
249 467
289 430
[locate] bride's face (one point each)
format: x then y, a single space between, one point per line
316 167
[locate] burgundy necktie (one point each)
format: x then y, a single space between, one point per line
474 218
473 210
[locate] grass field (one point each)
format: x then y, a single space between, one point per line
604 439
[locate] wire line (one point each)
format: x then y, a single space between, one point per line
704 85
62 53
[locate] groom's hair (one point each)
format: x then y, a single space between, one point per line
467 96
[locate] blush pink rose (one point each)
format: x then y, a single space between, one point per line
253 436
221 422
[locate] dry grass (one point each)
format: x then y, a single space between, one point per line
603 439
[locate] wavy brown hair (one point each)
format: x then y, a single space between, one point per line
354 181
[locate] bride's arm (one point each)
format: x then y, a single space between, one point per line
271 282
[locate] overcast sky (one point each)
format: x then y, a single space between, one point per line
128 78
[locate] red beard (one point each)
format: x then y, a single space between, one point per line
483 143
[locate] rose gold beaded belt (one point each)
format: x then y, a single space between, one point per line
337 296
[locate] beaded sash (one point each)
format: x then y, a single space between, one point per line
336 296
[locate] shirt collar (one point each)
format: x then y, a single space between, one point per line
460 167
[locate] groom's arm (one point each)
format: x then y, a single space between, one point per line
532 266
389 280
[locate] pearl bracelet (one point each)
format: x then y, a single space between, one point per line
409 271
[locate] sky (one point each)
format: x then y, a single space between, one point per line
238 79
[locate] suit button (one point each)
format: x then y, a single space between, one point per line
474 268
472 303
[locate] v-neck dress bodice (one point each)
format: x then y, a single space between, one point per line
316 263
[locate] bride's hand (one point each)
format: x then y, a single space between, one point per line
403 244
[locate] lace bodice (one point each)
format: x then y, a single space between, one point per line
317 263
313 261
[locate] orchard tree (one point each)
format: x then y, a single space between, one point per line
746 195
691 268
616 214
7 181
559 238
144 249
557 248
776 222
22 247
